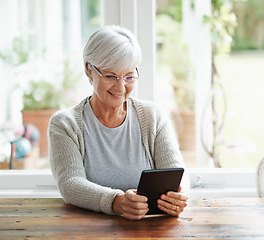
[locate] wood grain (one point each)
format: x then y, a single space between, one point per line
203 219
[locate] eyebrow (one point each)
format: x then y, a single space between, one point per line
109 72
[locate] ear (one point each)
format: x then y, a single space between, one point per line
88 71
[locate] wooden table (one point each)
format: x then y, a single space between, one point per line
236 218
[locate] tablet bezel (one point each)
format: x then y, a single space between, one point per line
155 182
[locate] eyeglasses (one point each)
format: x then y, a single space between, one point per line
108 78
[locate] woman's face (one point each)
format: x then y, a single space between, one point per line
112 94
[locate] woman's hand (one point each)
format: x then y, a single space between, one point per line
130 205
173 203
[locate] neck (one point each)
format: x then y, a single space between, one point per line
109 116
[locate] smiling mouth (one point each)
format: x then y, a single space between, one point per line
116 95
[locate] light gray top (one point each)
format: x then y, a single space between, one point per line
114 157
67 151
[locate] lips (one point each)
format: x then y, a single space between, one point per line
117 95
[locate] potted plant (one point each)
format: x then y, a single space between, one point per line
40 101
42 98
46 85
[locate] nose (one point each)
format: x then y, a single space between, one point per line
120 84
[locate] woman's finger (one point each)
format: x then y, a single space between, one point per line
176 198
174 212
173 203
133 206
132 196
168 205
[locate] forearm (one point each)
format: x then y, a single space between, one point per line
85 194
68 170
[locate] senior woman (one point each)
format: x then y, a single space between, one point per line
99 148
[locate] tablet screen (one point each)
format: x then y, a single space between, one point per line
153 183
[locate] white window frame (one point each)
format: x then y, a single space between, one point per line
139 16
204 183
198 38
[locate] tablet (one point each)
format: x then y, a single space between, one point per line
153 183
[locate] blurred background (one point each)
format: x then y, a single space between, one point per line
41 71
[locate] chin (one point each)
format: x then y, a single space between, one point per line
118 103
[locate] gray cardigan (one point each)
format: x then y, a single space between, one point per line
66 153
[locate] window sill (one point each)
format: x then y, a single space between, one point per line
205 183
194 193
30 193
231 192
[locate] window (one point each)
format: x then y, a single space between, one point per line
184 59
43 44
139 16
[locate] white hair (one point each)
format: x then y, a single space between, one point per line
112 48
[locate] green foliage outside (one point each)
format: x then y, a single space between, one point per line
249 14
235 25
173 53
172 8
40 93
222 23
21 50
90 17
46 95
249 34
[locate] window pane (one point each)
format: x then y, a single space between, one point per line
41 68
243 130
175 83
242 75
239 70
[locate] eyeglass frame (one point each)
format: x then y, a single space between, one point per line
117 77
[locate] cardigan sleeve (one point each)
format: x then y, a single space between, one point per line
158 135
67 167
167 153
